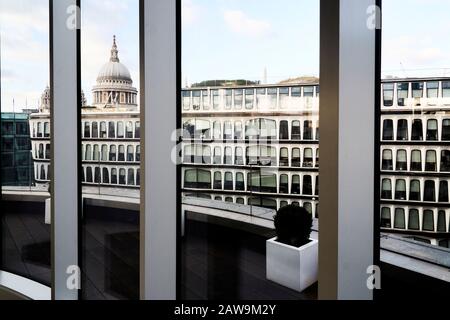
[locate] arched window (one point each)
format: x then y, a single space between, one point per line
295 130
307 185
131 181
307 130
96 153
388 130
217 155
138 177
94 129
197 178
308 158
441 223
414 190
239 156
113 176
89 177
122 176
402 130
87 130
217 131
47 151
46 129
386 189
228 156
386 218
39 130
417 130
428 220
138 153
129 133
416 160
112 153
111 130
445 161
105 176
399 219
227 130
284 184
130 153
443 191
284 157
284 130
296 159
430 191
240 184
413 221
387 163
206 154
120 130
103 133
228 185
137 130
295 185
400 189
88 155
238 130
432 130
240 200
446 130
42 173
104 152
217 180
97 175
402 162
430 164
121 153
41 151
308 207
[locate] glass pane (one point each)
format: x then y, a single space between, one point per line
110 81
259 125
25 230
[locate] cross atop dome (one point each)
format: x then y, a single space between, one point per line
114 51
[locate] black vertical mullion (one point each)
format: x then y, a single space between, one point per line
79 146
377 153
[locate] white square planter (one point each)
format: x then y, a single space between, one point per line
295 268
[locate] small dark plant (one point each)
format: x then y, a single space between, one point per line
293 225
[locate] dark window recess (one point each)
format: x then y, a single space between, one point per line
445 161
402 130
446 130
284 130
430 191
417 130
443 191
388 130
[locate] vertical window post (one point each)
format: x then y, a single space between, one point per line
159 197
65 120
347 141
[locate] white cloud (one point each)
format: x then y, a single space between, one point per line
240 23
191 12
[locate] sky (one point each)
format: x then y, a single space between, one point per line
222 39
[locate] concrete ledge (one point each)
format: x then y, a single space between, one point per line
13 287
